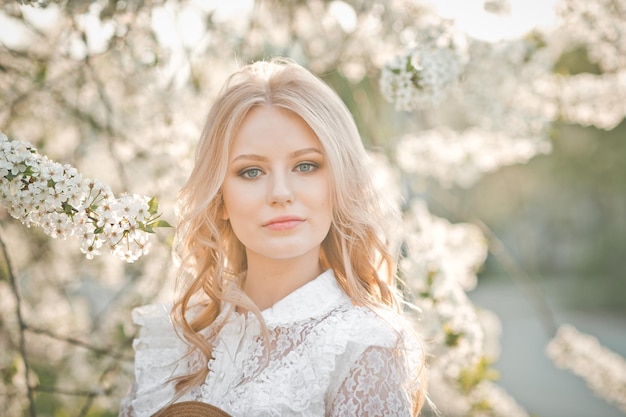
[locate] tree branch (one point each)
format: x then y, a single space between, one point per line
22 325
102 351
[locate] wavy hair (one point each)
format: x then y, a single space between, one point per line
212 259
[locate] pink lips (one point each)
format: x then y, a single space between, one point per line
283 223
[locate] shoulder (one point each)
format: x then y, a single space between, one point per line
155 327
365 326
158 353
359 334
152 315
380 348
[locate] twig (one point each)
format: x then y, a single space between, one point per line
521 278
525 282
22 325
108 126
76 393
85 409
102 351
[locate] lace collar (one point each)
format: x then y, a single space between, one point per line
313 299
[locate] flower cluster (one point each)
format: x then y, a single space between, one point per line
486 399
516 73
599 24
603 369
423 76
420 78
462 158
55 197
441 265
590 99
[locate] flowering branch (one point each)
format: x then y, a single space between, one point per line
425 74
419 78
55 197
602 369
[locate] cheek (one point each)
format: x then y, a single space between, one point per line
322 199
237 201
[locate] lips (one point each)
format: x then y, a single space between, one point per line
283 223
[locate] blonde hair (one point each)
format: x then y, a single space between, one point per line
211 257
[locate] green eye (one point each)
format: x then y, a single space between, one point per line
250 173
306 167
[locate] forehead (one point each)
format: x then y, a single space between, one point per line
269 128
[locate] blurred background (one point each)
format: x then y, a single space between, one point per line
503 118
562 218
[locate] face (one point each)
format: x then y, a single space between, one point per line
277 188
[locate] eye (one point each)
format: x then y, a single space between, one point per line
306 167
250 173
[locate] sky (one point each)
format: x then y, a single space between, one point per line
470 15
472 18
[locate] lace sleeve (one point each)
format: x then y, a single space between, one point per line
376 385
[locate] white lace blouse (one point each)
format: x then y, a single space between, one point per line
327 358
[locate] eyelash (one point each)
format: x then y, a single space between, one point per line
244 173
313 166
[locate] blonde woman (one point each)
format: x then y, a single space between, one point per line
288 305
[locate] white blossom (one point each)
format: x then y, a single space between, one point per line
602 369
441 265
590 99
55 197
601 26
503 84
462 158
485 399
420 78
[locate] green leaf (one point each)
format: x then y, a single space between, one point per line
42 71
68 209
153 206
161 223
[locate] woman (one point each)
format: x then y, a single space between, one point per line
288 304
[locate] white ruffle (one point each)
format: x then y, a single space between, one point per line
158 352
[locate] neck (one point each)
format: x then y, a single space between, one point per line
269 281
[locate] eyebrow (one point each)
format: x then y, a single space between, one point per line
291 155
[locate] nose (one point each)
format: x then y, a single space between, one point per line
280 190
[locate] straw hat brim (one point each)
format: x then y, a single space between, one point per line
191 409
